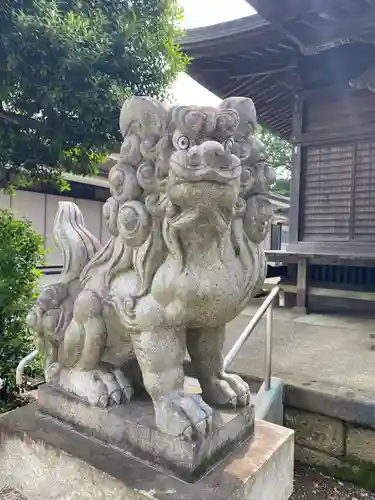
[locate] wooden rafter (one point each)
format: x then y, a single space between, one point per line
264 72
254 85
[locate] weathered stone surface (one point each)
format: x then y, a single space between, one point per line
10 494
132 428
360 444
188 213
316 458
316 431
52 461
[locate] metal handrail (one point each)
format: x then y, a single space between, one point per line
22 365
266 307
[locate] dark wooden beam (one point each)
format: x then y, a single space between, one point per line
264 72
274 119
282 108
276 124
281 112
285 17
295 9
360 133
287 47
273 50
254 86
230 37
285 132
237 89
351 28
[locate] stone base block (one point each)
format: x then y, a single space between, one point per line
132 429
269 404
44 460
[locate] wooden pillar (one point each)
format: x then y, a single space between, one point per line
295 195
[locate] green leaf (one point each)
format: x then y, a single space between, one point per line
21 251
66 67
279 157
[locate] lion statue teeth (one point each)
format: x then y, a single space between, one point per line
188 213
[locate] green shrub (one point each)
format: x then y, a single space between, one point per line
21 251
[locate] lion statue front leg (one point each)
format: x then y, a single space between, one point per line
160 354
205 346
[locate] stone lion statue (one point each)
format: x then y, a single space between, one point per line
188 212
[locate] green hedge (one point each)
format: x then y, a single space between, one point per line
21 251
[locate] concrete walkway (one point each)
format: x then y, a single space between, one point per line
331 351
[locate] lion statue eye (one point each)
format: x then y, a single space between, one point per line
183 142
228 144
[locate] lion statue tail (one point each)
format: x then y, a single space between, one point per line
76 244
53 311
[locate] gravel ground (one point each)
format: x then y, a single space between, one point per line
309 485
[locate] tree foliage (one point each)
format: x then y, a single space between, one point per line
21 251
65 68
279 156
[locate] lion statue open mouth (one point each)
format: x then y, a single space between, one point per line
188 212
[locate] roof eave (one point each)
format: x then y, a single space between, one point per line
224 36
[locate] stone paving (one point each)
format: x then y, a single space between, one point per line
334 350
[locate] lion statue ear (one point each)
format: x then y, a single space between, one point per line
143 116
189 121
244 106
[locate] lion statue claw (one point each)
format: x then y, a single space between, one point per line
188 213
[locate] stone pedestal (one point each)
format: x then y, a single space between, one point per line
46 460
132 429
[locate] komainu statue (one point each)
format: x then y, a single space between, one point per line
188 213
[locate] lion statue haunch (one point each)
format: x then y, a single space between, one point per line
188 213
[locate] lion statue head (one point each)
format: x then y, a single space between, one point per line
178 165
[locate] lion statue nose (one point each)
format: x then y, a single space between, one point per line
215 156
